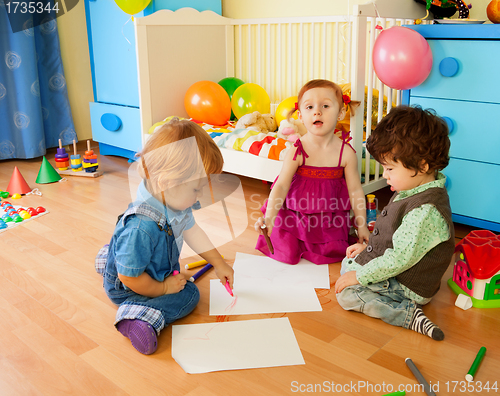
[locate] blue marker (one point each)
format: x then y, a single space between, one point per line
200 272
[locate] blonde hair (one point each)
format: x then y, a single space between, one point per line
170 157
337 90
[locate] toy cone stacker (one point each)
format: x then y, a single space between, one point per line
47 173
90 160
76 160
62 158
88 163
17 184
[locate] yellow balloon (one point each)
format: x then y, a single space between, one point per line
284 108
248 98
132 7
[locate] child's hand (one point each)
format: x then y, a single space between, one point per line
363 234
353 250
261 223
346 280
225 273
174 284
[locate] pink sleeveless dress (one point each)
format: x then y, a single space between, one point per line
314 221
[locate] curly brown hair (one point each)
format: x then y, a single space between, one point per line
412 136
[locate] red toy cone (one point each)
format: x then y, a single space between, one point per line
17 183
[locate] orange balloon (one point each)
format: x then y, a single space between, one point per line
208 102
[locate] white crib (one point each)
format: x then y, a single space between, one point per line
177 49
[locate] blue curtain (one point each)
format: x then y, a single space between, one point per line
34 107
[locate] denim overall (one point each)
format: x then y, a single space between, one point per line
157 311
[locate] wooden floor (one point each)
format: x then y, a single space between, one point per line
57 335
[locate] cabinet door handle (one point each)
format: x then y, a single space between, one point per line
448 67
451 124
111 122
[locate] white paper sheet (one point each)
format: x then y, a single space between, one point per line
206 347
252 296
275 273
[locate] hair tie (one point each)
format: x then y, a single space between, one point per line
346 99
296 106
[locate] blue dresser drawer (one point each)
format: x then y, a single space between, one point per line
473 62
117 126
475 134
474 189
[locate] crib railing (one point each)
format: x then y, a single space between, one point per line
280 54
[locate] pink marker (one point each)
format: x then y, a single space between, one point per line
175 272
228 288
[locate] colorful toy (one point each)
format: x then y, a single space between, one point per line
32 211
13 216
90 160
76 160
17 184
402 57
89 163
6 218
62 158
208 102
477 269
47 173
371 211
291 130
446 8
249 98
258 122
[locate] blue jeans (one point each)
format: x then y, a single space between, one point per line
157 311
384 300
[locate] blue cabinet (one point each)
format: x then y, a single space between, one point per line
113 60
464 88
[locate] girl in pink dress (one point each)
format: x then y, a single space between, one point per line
307 214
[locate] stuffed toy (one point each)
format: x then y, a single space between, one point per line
446 8
291 130
258 122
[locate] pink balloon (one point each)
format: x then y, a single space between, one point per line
402 58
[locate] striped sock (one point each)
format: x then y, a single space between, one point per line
421 324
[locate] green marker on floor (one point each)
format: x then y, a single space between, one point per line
475 365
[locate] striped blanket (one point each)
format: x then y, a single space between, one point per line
265 145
